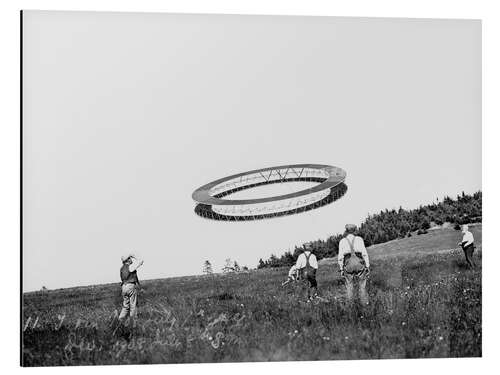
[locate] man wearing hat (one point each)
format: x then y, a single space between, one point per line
307 264
467 245
354 263
130 282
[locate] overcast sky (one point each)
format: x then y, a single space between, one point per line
126 114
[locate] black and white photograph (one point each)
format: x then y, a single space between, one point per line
207 188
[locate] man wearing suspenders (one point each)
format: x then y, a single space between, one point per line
307 264
354 263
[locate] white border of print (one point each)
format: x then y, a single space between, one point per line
487 11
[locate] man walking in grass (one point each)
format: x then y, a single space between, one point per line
354 263
307 264
130 283
467 245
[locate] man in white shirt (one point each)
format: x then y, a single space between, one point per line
307 264
130 283
467 245
354 263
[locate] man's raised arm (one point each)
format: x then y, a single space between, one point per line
136 263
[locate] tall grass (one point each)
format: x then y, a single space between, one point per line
422 305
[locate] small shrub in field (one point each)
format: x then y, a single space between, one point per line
425 225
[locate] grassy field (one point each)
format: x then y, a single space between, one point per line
424 302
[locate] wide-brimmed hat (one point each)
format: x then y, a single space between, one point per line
350 227
125 257
308 246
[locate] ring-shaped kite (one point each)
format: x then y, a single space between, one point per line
212 200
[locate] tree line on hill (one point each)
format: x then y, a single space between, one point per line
393 224
229 266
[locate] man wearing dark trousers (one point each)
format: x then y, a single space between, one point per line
467 245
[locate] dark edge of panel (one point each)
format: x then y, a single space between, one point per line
21 186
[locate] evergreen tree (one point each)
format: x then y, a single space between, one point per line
207 268
228 266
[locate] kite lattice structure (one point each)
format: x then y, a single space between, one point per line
212 200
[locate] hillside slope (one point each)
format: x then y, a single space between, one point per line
388 225
424 303
439 239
